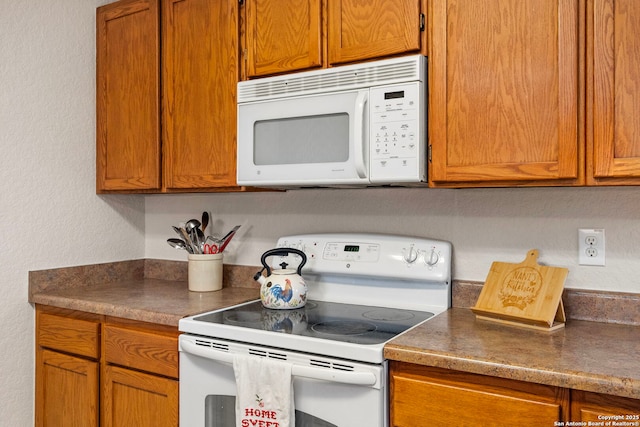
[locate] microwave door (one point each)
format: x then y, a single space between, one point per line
318 140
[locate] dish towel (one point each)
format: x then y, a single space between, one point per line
265 392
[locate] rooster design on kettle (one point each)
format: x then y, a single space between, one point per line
283 294
284 288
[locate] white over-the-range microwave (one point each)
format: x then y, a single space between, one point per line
354 125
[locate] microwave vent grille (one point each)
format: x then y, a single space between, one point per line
399 70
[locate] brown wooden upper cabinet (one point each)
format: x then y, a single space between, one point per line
505 87
128 96
521 92
613 122
372 29
542 92
188 90
284 36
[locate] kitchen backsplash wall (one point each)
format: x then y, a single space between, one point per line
484 225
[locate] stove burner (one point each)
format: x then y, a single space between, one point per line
388 315
309 306
344 327
242 317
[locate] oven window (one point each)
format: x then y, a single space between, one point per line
306 420
320 138
220 411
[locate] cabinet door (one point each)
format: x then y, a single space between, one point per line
132 398
424 396
504 92
128 96
200 74
616 93
67 390
283 36
587 407
359 29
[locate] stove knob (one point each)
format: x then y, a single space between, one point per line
432 259
411 255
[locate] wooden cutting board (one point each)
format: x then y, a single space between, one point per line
526 294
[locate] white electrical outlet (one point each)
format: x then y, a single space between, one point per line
591 246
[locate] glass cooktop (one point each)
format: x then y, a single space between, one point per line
351 323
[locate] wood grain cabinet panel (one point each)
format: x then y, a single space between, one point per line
359 30
200 74
287 36
67 368
431 396
166 96
128 96
614 75
141 350
504 92
66 390
586 406
77 336
99 370
283 36
132 398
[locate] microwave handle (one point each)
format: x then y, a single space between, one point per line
358 134
346 377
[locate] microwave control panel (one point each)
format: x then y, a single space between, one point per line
397 133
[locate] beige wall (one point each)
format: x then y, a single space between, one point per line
50 215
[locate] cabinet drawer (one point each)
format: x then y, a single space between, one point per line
71 335
142 350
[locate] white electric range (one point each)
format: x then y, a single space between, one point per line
363 290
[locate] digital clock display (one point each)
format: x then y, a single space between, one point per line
394 95
351 248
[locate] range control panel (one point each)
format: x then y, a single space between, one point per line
349 252
374 255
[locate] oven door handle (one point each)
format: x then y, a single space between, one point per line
325 374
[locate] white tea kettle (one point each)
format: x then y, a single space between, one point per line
285 288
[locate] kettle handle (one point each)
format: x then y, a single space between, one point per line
284 252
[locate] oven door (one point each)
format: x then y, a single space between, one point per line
304 140
327 392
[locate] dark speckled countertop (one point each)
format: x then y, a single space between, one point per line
148 300
144 290
584 355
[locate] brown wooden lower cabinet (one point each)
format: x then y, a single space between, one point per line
599 408
67 391
96 370
132 398
427 396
